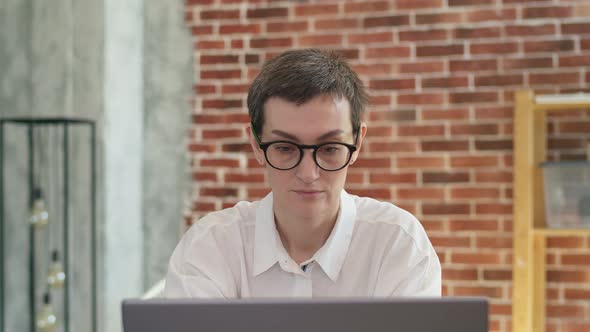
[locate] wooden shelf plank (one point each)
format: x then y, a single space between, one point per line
562 231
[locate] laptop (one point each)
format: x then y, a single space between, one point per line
447 314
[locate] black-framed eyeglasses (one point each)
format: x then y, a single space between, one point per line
286 155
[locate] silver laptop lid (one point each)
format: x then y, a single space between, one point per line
309 315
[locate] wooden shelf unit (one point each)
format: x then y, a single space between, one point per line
530 231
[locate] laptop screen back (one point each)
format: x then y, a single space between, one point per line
310 315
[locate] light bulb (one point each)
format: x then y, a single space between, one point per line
46 320
39 214
56 276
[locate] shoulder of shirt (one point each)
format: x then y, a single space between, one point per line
240 215
386 214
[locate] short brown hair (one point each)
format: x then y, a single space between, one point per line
300 75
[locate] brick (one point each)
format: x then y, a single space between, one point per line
257 193
585 44
493 242
445 114
451 274
524 30
423 35
474 193
375 100
494 112
445 209
474 161
499 80
380 131
210 44
388 52
267 13
296 26
271 42
243 178
316 9
373 162
497 275
221 74
420 193
439 50
527 63
219 162
493 177
222 133
420 162
234 88
337 24
477 33
445 177
456 3
473 65
487 291
574 61
497 208
350 54
576 259
239 28
445 82
420 99
220 14
491 15
355 178
421 67
554 78
565 242
439 18
236 147
372 69
547 12
549 46
366 7
219 59
564 310
386 21
237 44
446 145
476 258
395 115
418 4
564 143
222 103
204 206
450 241
198 147
393 84
577 294
393 146
494 48
496 145
201 30
320 40
393 178
473 225
575 28
371 38
472 97
219 192
204 89
575 127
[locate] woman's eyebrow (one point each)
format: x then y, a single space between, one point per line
320 138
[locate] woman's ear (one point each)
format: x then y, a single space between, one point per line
359 142
258 153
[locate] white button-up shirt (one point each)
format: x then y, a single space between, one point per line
375 249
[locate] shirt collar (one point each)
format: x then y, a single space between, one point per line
332 254
268 248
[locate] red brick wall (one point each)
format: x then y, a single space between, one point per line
442 75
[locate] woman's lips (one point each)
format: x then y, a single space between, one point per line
308 194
